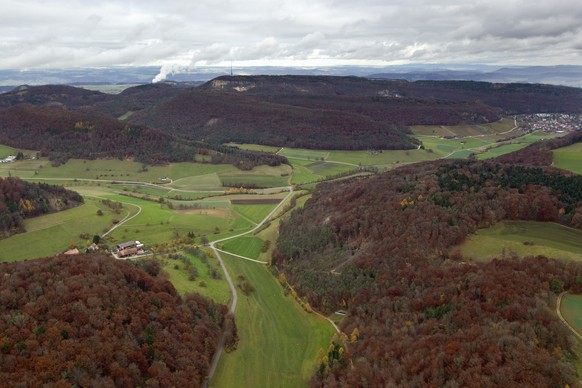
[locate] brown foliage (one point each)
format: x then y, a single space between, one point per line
95 321
381 245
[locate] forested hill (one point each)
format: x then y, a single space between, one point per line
342 112
64 134
225 117
304 111
20 200
416 314
92 321
65 122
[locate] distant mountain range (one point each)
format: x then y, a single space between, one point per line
555 75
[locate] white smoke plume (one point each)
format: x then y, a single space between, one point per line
167 70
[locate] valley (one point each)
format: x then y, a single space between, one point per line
301 230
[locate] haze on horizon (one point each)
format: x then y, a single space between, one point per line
181 33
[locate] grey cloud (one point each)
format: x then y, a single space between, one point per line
101 33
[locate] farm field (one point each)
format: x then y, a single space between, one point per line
109 169
523 238
380 159
216 289
279 342
506 125
247 246
51 234
255 213
569 158
254 147
483 147
299 153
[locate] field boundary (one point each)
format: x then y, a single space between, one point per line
240 257
559 312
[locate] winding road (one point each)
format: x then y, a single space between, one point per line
232 309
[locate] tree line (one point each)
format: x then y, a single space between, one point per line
20 200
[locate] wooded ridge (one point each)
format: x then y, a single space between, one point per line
380 249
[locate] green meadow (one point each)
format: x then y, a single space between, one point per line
109 169
298 153
247 246
523 238
505 125
569 158
279 341
254 147
204 284
255 213
571 309
381 158
51 234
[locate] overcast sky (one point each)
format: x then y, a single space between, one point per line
96 33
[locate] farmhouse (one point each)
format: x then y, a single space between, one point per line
127 252
129 248
129 244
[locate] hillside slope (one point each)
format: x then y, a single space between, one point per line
65 134
302 111
417 315
96 321
20 200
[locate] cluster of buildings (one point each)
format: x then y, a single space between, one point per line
550 122
128 249
121 251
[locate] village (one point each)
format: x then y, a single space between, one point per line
558 123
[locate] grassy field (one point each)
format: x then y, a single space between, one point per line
252 181
569 158
6 151
301 173
157 223
255 213
506 124
110 169
328 168
298 153
51 234
215 289
450 147
247 246
279 341
380 159
126 115
254 147
572 310
524 238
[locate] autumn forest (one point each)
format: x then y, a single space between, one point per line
376 243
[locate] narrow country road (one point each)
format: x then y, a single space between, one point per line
232 309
